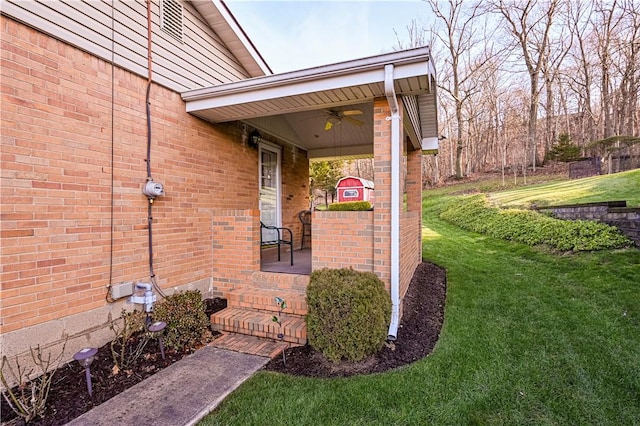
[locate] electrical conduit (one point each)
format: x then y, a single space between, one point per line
152 274
390 93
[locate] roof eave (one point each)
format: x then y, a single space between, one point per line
408 62
221 20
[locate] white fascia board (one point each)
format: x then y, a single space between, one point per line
265 92
221 20
415 57
411 70
241 35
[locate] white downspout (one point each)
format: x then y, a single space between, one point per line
395 200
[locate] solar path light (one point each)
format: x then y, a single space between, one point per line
85 357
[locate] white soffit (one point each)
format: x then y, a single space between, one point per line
314 88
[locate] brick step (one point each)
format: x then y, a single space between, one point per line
250 345
273 280
264 299
260 324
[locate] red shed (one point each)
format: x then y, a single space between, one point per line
352 188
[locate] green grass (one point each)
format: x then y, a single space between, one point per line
529 338
619 186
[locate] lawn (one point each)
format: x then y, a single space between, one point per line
530 337
619 186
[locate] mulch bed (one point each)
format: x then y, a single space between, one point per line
423 315
418 333
69 398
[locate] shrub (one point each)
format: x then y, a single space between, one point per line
564 151
125 347
187 324
28 399
350 206
348 313
532 228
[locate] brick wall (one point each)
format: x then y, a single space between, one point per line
382 184
73 165
411 222
342 240
295 189
236 248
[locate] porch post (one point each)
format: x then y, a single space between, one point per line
414 191
382 181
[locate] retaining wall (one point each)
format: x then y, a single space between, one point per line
614 213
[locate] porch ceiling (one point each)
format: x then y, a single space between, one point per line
294 106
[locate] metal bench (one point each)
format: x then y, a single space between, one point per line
279 239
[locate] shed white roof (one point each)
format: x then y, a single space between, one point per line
365 182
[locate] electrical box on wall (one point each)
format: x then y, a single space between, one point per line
122 289
153 189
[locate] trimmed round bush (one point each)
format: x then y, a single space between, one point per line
348 313
187 323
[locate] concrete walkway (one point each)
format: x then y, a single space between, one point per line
181 394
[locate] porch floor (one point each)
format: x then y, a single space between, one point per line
301 261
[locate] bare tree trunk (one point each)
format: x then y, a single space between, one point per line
533 38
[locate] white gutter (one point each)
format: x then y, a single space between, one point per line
395 200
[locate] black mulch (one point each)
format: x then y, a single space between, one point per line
422 318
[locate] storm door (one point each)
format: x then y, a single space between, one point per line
270 205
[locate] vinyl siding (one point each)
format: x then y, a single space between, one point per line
201 60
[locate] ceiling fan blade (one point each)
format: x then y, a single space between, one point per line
354 121
351 112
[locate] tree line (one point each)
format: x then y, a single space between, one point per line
517 77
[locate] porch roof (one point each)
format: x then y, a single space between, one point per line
295 106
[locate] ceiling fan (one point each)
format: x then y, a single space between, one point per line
335 117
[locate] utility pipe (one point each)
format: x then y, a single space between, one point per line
390 93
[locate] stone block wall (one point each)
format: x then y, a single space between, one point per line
614 213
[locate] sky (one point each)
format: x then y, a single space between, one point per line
293 35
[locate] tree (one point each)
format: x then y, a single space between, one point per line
530 23
580 74
564 151
323 176
460 40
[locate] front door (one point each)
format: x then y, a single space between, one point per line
270 207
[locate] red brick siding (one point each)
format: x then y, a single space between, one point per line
411 222
62 137
382 183
295 189
236 248
342 240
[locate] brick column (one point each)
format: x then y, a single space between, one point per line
414 181
236 248
382 180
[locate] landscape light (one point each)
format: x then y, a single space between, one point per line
157 327
85 357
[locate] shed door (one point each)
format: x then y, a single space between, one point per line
270 206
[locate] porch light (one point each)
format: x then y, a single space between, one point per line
85 357
254 139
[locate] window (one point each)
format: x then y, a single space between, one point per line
350 193
171 18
